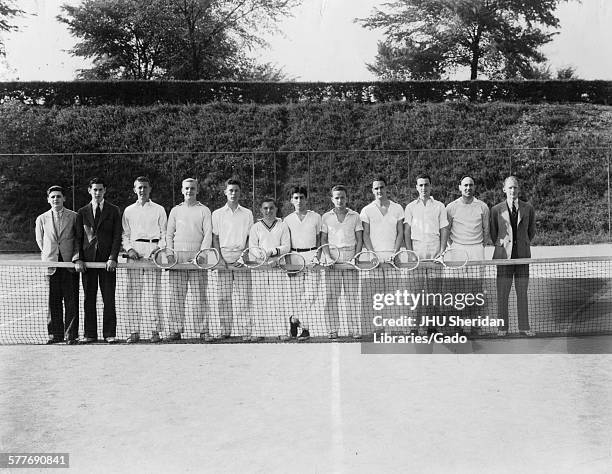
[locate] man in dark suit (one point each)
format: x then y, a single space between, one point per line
512 230
99 239
56 232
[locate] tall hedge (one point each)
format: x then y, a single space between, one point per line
141 93
560 152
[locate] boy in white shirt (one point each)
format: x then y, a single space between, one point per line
231 225
342 227
189 231
383 233
144 231
269 285
305 230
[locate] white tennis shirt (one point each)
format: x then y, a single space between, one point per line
270 238
383 229
341 234
469 222
304 232
189 227
425 220
146 221
232 227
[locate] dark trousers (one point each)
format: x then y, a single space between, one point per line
107 282
63 293
505 275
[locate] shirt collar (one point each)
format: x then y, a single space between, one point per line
94 204
227 208
348 209
419 201
509 203
146 204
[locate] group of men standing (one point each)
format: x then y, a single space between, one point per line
97 232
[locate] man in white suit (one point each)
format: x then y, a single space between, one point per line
56 238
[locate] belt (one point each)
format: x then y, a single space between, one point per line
151 241
304 250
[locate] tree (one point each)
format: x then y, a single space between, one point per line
173 39
7 11
430 39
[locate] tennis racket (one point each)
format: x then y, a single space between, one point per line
451 258
252 257
326 256
164 258
404 259
206 259
292 263
364 261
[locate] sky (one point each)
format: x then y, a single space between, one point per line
320 42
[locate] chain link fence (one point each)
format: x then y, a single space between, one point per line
569 187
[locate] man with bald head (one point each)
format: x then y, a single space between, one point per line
468 219
512 230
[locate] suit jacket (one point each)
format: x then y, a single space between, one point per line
51 243
501 230
101 243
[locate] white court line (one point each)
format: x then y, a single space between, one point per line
336 410
23 317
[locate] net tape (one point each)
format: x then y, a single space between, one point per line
565 296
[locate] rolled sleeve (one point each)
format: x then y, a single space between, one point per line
443 219
285 240
207 230
171 229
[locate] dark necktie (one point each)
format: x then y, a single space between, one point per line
97 215
513 210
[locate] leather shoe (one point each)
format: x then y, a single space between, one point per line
111 340
87 340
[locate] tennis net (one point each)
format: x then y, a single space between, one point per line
564 296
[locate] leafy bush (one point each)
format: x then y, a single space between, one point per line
131 93
560 152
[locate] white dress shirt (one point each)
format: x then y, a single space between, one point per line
146 222
232 227
425 220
